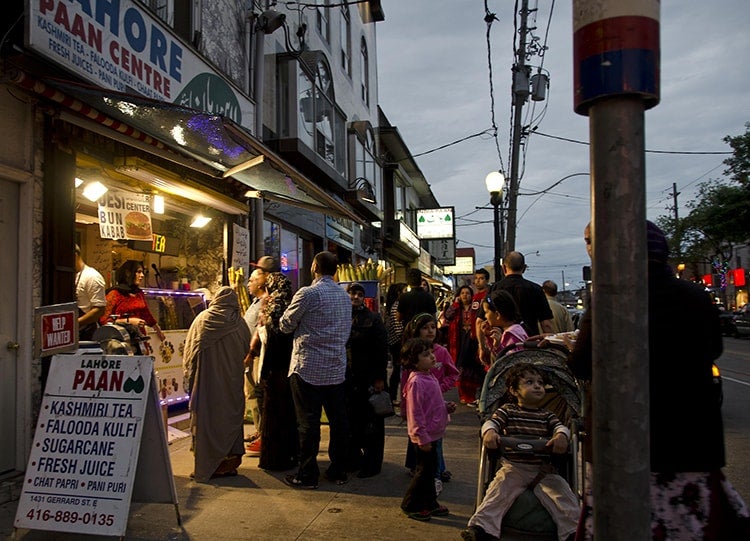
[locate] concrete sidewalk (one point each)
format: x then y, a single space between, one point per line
257 505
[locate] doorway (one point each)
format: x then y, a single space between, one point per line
9 201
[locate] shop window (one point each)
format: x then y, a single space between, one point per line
364 73
290 257
271 239
345 39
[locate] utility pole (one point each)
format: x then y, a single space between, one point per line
675 193
616 78
519 94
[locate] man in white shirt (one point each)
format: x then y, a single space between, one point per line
90 297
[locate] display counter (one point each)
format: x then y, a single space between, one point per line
174 310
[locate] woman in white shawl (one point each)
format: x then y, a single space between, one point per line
215 347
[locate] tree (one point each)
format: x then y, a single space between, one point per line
739 163
719 216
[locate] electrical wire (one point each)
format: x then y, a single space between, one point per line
680 152
489 18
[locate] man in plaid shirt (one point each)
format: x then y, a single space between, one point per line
320 316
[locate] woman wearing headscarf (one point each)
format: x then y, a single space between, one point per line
127 301
279 440
215 348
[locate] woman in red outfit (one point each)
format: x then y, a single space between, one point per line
463 345
127 301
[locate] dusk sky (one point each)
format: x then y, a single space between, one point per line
434 85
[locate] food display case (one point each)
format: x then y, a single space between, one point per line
174 310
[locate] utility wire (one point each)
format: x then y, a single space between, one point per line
685 152
441 147
489 18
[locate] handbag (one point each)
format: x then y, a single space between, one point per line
381 404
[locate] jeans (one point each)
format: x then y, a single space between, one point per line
309 400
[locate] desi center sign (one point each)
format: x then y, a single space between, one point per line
125 215
81 469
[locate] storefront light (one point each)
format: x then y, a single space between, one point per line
200 221
79 181
94 190
158 206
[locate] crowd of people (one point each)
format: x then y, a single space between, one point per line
321 352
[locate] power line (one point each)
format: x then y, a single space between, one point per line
489 18
686 152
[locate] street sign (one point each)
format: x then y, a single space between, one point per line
444 251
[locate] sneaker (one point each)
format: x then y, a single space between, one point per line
422 516
294 482
253 448
438 487
440 511
252 438
446 476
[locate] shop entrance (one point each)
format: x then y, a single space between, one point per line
8 316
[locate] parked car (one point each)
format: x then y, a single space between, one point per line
741 322
728 326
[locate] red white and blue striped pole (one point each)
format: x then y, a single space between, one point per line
616 78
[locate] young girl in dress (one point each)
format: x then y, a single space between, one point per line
424 326
502 326
426 417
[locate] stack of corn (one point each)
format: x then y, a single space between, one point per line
365 271
237 282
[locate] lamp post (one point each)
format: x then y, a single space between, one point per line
495 181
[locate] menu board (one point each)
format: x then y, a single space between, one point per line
81 469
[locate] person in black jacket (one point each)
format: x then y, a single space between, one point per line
690 498
416 300
367 352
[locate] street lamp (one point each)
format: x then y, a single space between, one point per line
495 181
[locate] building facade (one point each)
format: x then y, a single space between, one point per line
262 120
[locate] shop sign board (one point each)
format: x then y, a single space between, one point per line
57 328
125 215
444 251
120 45
436 223
84 460
464 265
241 248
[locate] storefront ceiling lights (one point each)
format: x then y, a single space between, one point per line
79 181
200 221
94 190
158 206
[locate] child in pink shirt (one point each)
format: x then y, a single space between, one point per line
426 419
502 326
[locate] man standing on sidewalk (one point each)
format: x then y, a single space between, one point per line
320 315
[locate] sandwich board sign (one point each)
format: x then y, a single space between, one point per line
99 442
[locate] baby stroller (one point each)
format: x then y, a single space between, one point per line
563 398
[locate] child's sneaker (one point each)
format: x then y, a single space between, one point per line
422 516
438 487
440 511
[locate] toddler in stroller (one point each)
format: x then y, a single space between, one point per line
519 468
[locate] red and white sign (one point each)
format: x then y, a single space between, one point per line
82 465
58 330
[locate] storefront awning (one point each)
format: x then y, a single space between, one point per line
227 148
